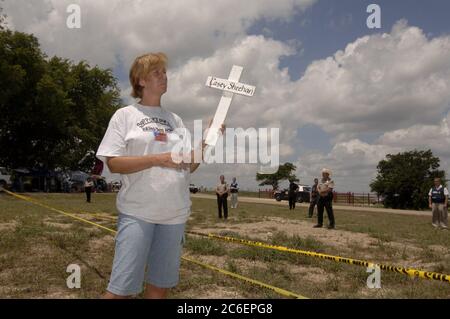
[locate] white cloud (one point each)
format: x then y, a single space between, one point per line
353 164
389 84
126 28
378 83
199 37
395 84
259 55
354 161
423 137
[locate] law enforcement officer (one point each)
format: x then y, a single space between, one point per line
325 189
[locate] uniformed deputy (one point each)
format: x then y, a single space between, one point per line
325 189
222 191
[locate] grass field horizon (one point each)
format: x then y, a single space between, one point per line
38 244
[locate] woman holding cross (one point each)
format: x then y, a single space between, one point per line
154 201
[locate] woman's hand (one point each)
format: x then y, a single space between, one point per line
195 162
222 130
134 164
166 160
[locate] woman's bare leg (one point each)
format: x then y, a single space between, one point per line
110 295
153 292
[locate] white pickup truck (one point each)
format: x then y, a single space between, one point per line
5 178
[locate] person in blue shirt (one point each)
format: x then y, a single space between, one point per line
438 200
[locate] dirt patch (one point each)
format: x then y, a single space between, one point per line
98 247
213 292
41 251
7 292
408 248
264 230
98 216
222 262
58 225
313 274
439 249
59 293
99 244
346 242
9 226
417 264
5 276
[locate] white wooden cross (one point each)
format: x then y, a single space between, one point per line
230 87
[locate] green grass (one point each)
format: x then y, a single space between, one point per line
37 245
297 242
243 194
204 246
383 227
414 229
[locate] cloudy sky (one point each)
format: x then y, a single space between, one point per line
343 95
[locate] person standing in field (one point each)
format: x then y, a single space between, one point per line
88 185
438 201
234 189
222 196
154 200
325 188
292 194
314 197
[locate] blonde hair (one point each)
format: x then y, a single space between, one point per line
141 67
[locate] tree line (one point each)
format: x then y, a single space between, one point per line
54 111
403 180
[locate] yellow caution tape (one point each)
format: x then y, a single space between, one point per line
406 271
249 280
29 199
98 216
280 291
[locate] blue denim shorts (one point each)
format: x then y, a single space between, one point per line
145 252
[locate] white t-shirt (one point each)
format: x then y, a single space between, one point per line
157 195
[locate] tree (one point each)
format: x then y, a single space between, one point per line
2 19
404 179
285 172
53 111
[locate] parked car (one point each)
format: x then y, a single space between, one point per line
5 178
100 184
193 189
303 194
36 179
76 181
115 186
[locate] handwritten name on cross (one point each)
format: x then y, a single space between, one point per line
230 87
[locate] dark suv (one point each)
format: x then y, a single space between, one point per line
303 194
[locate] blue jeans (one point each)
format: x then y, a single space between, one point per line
145 252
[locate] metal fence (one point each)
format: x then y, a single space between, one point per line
349 198
356 199
265 193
